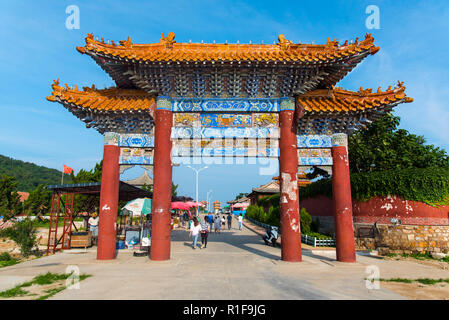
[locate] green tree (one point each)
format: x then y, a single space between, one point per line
382 146
38 202
87 203
306 221
24 233
174 190
10 204
28 175
241 195
148 187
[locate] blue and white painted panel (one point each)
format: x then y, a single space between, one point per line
225 152
208 133
314 141
225 105
136 141
136 156
315 161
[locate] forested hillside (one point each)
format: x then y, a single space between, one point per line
29 175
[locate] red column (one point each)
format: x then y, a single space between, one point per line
160 228
108 203
341 189
288 171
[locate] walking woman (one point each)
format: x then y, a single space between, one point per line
194 231
240 221
217 224
204 232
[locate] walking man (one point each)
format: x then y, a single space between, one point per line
229 221
240 221
204 232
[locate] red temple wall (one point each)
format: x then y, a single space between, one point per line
381 210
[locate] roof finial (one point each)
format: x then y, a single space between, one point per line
168 40
126 43
283 42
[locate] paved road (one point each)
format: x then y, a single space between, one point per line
235 265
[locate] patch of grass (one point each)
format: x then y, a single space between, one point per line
397 280
14 292
51 292
8 263
420 280
419 256
49 278
43 279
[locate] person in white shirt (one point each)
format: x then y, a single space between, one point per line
93 227
240 221
195 229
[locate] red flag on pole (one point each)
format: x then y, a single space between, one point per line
68 169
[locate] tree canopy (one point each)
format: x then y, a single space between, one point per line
10 204
28 175
382 146
38 201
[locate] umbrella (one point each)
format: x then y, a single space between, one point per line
139 206
194 204
240 205
180 205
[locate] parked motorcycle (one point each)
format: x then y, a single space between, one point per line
271 235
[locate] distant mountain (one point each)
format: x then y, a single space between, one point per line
29 175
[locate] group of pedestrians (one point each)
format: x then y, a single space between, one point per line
202 228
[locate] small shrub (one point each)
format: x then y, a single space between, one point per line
24 233
306 221
5 256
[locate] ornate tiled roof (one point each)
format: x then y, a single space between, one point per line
144 179
112 99
270 187
113 109
170 50
340 100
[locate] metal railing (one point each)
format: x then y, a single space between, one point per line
312 241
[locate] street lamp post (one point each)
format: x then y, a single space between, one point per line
207 199
197 172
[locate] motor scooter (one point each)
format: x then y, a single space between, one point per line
271 235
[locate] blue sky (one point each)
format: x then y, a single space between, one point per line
37 48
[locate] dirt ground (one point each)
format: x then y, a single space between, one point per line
418 291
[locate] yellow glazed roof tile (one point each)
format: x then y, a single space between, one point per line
106 99
340 100
169 50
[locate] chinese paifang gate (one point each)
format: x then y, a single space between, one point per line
175 99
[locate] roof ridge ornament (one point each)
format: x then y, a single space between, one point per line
126 43
168 40
283 42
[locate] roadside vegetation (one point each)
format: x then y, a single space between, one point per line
418 256
425 281
42 286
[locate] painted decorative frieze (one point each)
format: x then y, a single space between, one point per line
136 141
225 152
111 138
136 156
314 161
314 141
186 119
266 120
233 132
315 153
225 120
225 105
